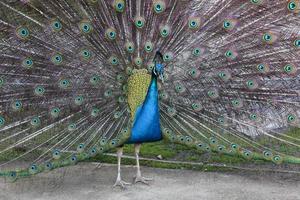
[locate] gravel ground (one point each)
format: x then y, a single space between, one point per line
85 181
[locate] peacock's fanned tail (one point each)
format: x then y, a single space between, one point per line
231 82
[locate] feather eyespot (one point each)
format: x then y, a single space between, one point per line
164 30
85 27
111 34
35 121
119 5
2 121
139 22
95 79
56 25
22 33
194 23
159 6
71 127
55 112
129 47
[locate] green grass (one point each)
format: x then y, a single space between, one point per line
177 152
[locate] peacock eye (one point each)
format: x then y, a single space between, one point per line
48 165
2 81
71 127
54 112
234 146
13 174
79 100
85 27
27 63
257 2
39 90
221 120
2 121
148 47
267 37
260 67
291 118
297 43
95 112
120 78
226 24
139 22
121 99
129 47
253 116
85 54
35 121
167 57
194 23
277 159
108 93
159 6
197 106
80 148
114 60
179 88
236 103
196 51
17 105
222 75
228 53
57 59
110 34
95 79
221 148
64 83
33 169
138 61
73 158
292 6
164 31
117 114
194 73
289 68
247 153
56 154
22 33
250 83
119 5
56 25
213 140
267 154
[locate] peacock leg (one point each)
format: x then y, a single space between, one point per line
138 177
119 181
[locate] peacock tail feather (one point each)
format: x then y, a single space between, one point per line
73 73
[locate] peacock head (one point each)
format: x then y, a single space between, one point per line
158 69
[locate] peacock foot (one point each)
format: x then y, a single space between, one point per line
142 179
121 184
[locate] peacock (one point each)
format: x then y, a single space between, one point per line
80 78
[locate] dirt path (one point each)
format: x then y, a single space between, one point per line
85 182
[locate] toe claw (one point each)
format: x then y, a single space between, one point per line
121 184
142 180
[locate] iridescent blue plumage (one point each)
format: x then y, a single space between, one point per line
146 125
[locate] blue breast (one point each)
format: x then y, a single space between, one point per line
146 125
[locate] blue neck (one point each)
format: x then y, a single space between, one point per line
146 125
